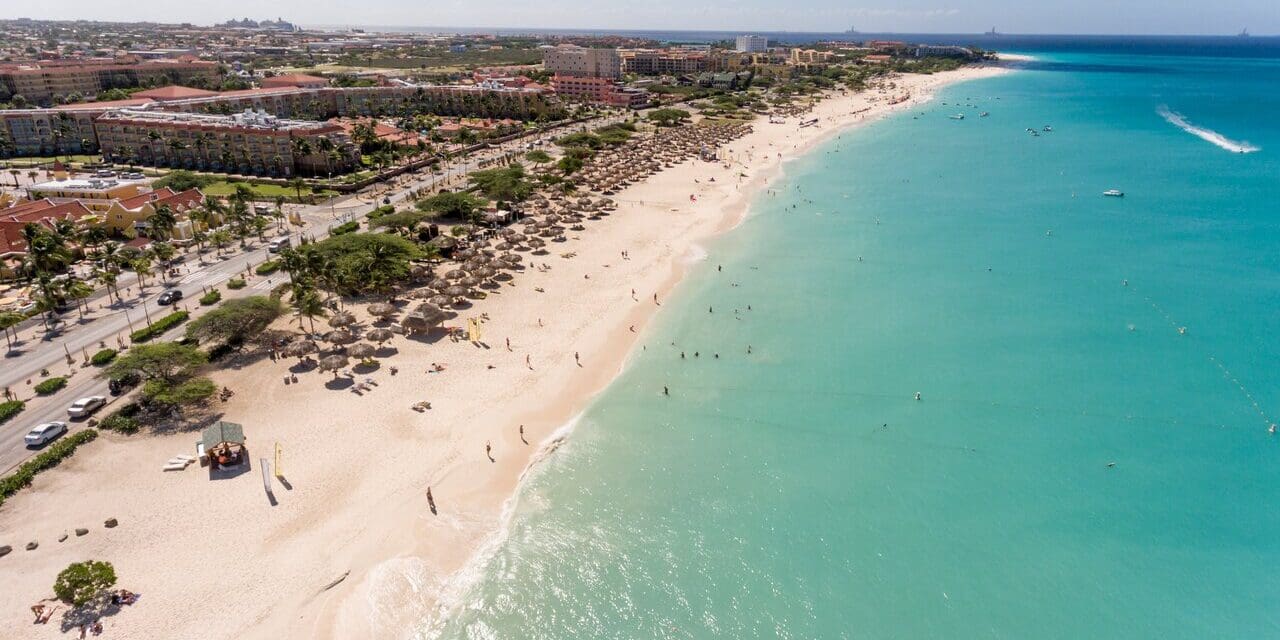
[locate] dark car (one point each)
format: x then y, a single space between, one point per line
169 297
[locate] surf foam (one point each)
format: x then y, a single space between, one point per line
1208 135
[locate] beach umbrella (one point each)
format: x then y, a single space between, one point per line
334 363
380 335
342 319
504 246
339 336
456 291
471 281
382 309
510 258
299 348
423 318
439 284
361 350
516 237
443 243
536 243
440 301
456 274
487 272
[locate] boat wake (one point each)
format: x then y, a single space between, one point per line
1208 135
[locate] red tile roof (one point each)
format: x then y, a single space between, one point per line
14 218
174 92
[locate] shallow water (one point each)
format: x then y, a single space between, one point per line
802 491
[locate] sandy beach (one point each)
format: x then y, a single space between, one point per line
350 549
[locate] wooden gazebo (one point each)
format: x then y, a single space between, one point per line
224 444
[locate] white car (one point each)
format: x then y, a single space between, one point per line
44 433
84 407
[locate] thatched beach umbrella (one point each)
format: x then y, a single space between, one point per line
361 350
486 272
382 309
440 300
334 363
456 274
439 284
299 348
342 319
471 281
455 291
339 337
380 335
423 318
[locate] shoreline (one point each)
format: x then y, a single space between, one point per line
359 466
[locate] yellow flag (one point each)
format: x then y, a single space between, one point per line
279 469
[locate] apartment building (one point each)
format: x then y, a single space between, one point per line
664 62
598 91
251 142
49 81
751 44
581 62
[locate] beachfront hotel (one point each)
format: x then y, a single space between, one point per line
581 62
50 81
751 44
250 142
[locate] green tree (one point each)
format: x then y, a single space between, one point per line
504 185
667 117
362 262
81 582
170 362
235 321
307 304
452 205
297 184
8 319
403 222
538 157
162 222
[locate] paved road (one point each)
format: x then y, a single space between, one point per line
41 349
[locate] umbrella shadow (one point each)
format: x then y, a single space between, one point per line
427 337
339 383
303 366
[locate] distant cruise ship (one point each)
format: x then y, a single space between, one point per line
992 32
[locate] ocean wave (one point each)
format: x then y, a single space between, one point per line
1208 135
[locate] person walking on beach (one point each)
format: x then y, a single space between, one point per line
508 344
528 362
522 435
576 360
431 502
488 450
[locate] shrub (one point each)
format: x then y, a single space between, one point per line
345 228
81 582
211 298
267 268
51 385
103 357
159 326
122 420
47 459
235 283
10 409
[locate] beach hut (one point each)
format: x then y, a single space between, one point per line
224 444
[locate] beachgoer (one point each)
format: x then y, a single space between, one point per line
488 450
522 435
665 390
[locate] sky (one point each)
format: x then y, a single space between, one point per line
906 16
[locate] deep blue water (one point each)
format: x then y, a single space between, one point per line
1089 457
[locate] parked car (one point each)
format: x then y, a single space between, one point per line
169 297
123 383
84 407
44 433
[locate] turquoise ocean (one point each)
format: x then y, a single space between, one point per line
1089 456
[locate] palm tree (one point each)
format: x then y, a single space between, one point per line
107 278
297 184
307 304
77 290
163 253
48 297
162 222
142 267
219 238
8 319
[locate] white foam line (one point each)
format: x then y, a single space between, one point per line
1208 135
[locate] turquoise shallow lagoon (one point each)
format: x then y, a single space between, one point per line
801 491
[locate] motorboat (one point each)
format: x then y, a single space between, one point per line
958 116
1114 193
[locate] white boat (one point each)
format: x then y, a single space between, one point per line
1114 193
983 114
1048 128
958 116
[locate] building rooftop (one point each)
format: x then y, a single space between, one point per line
173 92
84 184
248 119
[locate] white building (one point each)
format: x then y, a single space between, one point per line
752 44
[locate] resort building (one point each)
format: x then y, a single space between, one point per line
810 56
943 51
664 62
294 80
87 190
251 142
581 62
751 44
598 91
50 81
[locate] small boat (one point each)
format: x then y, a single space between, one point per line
958 116
1047 128
983 114
1114 193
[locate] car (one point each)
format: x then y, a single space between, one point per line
44 433
123 382
278 245
84 407
169 297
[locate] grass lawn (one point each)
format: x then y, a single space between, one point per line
222 188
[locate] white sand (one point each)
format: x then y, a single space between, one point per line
214 559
